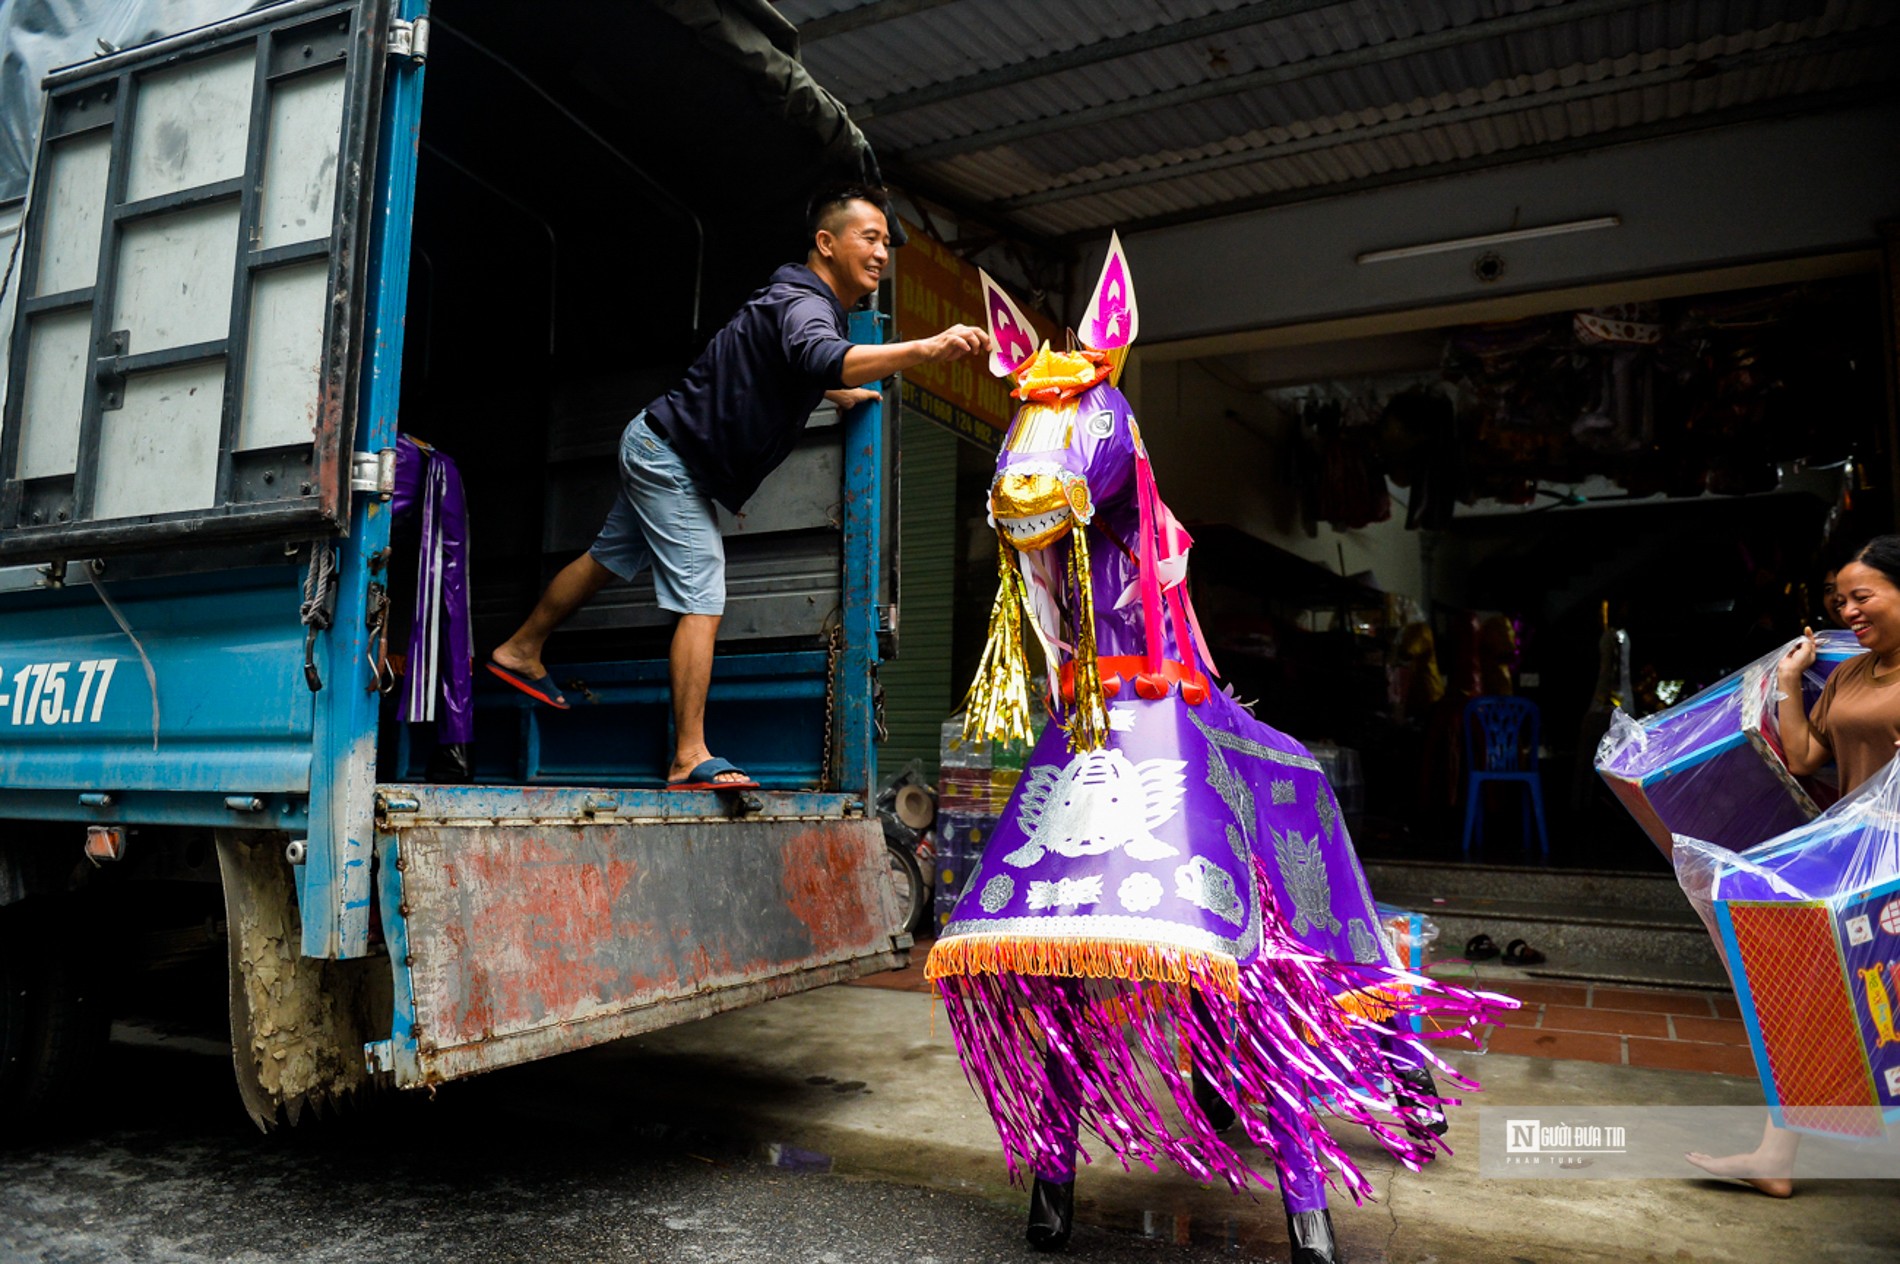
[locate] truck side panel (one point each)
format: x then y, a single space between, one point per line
232 716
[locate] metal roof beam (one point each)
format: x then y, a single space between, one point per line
1753 112
872 14
1533 100
1262 11
1492 28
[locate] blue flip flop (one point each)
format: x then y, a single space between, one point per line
540 688
701 778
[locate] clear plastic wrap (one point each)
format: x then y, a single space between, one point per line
1410 934
1809 926
38 35
1711 767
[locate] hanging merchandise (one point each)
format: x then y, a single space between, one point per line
1711 767
1809 925
1418 438
1351 489
1168 926
1521 393
1623 336
1621 325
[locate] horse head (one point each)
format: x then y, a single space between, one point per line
1072 446
1087 549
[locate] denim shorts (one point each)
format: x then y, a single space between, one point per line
662 519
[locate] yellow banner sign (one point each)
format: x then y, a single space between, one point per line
936 289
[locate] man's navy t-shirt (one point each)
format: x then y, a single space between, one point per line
745 401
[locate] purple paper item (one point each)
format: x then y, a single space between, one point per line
1170 892
1202 830
441 637
1156 837
1711 767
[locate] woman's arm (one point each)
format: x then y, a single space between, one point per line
1805 749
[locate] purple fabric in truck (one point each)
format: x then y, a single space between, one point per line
440 683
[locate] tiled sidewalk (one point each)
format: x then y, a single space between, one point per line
1677 1030
1587 1022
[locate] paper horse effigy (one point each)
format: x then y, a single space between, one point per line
1712 767
1809 925
1169 922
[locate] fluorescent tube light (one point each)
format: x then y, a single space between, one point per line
1491 239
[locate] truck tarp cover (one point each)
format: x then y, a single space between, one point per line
746 36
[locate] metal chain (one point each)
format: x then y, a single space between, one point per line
834 647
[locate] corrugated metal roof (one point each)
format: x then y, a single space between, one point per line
1067 116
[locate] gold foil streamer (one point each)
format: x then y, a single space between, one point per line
1088 718
997 707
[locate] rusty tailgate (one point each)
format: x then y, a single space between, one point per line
531 936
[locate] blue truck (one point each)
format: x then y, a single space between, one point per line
252 253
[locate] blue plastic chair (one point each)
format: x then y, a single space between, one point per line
1501 745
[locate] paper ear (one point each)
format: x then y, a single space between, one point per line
1012 337
1111 320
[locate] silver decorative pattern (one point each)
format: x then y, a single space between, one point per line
1247 746
1328 810
997 893
1283 792
1066 892
1210 887
1109 926
1234 792
1365 946
1099 802
1139 892
1303 873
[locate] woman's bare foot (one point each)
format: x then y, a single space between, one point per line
1771 1174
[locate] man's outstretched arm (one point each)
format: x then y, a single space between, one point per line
866 363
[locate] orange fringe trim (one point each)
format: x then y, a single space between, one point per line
1082 959
1373 1003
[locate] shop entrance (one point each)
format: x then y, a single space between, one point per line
1583 507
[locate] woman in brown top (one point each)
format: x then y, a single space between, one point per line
1857 721
1857 725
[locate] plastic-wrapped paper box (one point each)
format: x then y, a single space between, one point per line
965 790
1809 925
960 840
1711 767
1411 936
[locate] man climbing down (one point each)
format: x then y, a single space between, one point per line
715 437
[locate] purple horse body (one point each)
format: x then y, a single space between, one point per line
1170 873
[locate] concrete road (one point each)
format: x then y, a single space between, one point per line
583 1159
828 1127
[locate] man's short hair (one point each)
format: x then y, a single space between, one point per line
826 211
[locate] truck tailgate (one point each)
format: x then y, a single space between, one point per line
531 935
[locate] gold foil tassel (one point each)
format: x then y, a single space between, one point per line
997 707
1088 718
